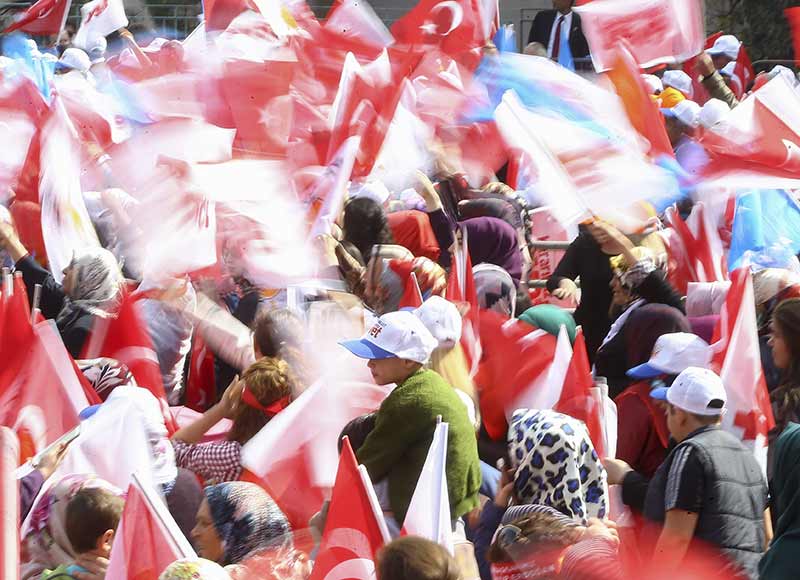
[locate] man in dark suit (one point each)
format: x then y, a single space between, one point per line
549 26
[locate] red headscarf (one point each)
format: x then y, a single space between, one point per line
412 230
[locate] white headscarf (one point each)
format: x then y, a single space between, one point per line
98 280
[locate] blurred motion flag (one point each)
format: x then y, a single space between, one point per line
44 17
9 505
793 17
658 31
455 26
99 18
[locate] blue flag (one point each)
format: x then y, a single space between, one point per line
766 230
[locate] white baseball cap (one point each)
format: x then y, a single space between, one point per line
442 319
373 189
653 83
713 112
729 69
687 112
695 390
677 79
76 59
394 335
726 44
672 354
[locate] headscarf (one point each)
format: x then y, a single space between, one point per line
412 230
645 325
393 279
105 375
246 519
550 318
491 207
780 561
47 544
555 464
194 569
98 281
495 289
706 298
491 240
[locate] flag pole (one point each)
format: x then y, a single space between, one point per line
37 297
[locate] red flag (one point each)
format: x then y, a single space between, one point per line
9 505
15 329
201 386
743 72
219 13
793 16
41 399
294 456
660 31
452 25
699 93
44 17
355 529
125 339
737 361
147 539
358 22
641 109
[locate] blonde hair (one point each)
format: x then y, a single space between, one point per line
451 364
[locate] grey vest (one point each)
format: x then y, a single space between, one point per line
734 498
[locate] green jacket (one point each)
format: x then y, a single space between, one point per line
403 432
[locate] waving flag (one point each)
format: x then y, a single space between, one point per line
356 20
147 539
766 230
99 18
793 17
455 26
428 514
44 17
355 529
294 456
9 504
658 31
125 339
737 361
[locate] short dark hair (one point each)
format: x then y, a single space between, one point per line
706 419
414 558
90 513
365 224
358 430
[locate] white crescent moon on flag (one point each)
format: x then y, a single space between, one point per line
356 569
792 160
351 540
455 9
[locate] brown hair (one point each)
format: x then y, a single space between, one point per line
279 334
787 397
90 513
535 533
269 380
414 558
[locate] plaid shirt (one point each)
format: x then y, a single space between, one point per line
215 462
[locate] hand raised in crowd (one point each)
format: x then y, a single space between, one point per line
704 65
9 240
50 461
428 192
610 239
232 397
616 470
567 290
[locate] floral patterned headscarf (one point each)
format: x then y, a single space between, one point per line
194 569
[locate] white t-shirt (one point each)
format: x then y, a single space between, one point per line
566 24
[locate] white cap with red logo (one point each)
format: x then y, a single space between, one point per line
395 335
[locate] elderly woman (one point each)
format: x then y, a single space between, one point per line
238 520
91 287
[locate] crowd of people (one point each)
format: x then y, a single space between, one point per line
632 456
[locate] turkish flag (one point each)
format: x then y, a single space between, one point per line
355 529
9 505
147 539
125 339
452 25
737 361
44 17
201 386
658 31
294 456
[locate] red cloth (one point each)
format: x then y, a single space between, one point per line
642 435
412 230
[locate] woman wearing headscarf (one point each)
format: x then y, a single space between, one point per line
550 318
236 521
47 545
555 464
91 287
389 284
780 561
495 289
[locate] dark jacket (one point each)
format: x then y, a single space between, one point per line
76 326
543 25
733 495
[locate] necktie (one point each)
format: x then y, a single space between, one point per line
557 39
